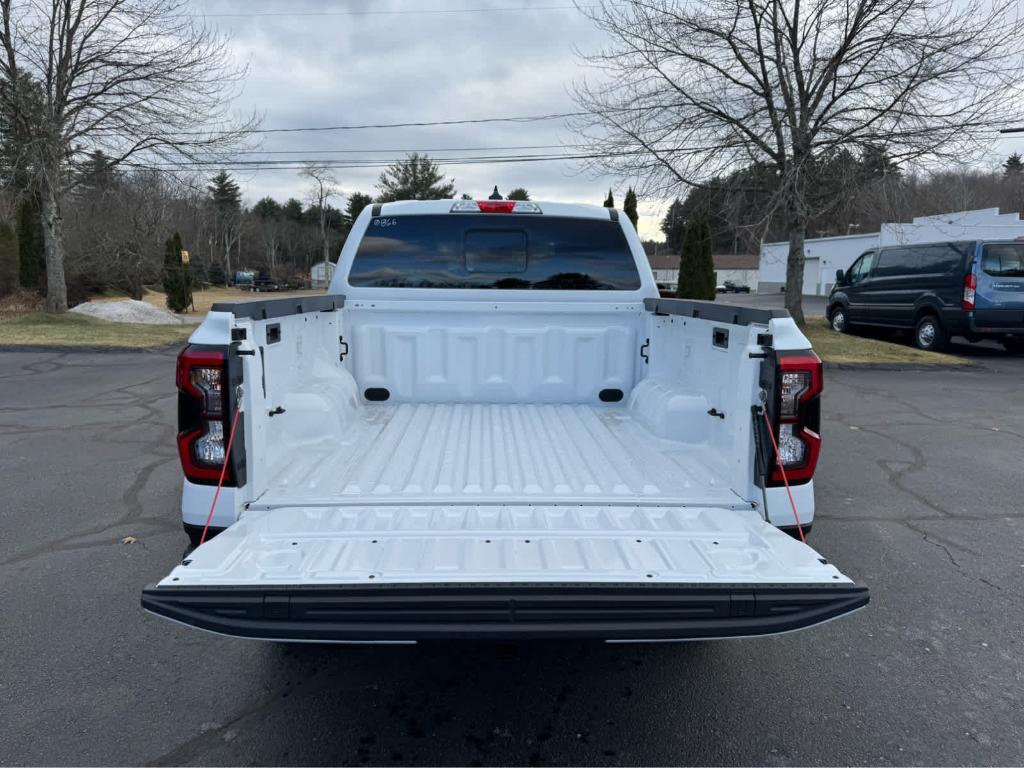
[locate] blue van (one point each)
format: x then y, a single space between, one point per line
973 289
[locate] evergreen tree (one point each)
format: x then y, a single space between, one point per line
267 208
1013 167
696 266
292 210
519 193
226 198
609 202
356 202
96 174
629 208
674 226
9 258
176 279
415 178
31 255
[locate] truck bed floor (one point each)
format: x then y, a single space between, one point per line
483 453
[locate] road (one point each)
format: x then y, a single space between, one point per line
918 496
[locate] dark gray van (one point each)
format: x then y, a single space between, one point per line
973 289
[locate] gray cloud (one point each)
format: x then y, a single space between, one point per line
329 70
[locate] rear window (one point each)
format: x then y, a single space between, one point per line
1003 259
501 251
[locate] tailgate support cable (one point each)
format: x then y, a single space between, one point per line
782 470
223 472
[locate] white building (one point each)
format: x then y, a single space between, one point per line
739 268
824 255
320 274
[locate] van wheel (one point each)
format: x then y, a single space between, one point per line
837 319
929 334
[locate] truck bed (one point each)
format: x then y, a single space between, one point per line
490 453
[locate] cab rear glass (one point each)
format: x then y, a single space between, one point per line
494 251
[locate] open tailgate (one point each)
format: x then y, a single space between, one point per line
368 573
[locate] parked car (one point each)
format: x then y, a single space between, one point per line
493 427
973 289
729 286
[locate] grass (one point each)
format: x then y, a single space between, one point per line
206 298
74 330
23 324
835 347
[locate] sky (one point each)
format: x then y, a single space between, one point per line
344 62
353 62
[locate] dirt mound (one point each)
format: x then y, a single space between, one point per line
128 311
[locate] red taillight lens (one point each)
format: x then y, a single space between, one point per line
970 286
798 388
202 411
496 206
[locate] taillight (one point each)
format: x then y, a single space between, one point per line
203 415
798 410
970 286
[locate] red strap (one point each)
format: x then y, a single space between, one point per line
771 434
223 472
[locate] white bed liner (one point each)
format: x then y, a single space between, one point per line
539 544
484 453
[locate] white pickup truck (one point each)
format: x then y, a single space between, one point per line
493 427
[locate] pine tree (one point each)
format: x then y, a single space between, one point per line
31 256
176 278
609 202
356 202
674 226
1014 166
8 259
519 193
415 178
696 266
629 208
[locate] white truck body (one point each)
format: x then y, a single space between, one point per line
420 462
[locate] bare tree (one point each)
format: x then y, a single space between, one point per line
323 186
695 91
140 80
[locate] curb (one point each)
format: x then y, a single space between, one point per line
943 367
161 350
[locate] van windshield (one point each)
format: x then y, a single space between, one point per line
1003 259
499 251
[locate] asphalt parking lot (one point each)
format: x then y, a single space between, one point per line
919 497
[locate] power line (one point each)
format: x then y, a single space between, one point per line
288 165
421 123
397 12
379 149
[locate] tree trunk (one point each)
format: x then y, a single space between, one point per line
227 259
323 233
53 248
795 262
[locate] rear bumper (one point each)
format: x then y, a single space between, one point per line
997 323
503 611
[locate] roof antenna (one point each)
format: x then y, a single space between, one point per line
495 195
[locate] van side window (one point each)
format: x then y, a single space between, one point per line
1003 259
937 259
895 261
862 267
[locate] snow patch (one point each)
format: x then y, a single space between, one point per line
128 311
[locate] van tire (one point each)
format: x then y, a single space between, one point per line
929 334
838 319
